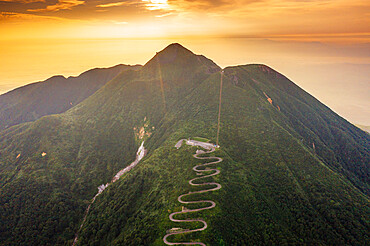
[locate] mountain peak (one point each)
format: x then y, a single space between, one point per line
173 51
176 46
176 54
278 141
56 77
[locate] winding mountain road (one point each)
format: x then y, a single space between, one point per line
200 170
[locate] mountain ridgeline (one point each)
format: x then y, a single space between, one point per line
53 96
293 171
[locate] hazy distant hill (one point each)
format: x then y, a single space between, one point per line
294 172
53 96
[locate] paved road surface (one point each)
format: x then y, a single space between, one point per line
198 169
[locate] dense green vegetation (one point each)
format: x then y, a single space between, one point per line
53 96
200 139
339 144
277 188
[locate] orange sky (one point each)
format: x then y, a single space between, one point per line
322 45
335 20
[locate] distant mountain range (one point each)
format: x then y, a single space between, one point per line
293 171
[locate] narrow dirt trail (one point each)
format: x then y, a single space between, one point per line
201 168
141 152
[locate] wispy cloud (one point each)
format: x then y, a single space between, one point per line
22 1
156 4
164 15
12 16
120 22
206 5
60 5
268 18
147 4
108 5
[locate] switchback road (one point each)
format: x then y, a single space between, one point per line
199 169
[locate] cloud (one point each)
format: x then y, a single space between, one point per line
236 18
147 4
12 16
22 1
156 4
60 5
108 5
205 5
120 22
164 15
151 5
21 25
201 3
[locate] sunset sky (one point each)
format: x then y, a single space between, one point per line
335 20
322 45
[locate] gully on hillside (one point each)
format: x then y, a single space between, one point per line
141 152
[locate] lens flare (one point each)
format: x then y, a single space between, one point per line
162 87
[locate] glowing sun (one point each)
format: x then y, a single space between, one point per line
156 4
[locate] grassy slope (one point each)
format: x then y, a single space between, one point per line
83 151
275 190
85 147
339 144
53 96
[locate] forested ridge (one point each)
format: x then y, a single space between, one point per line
293 171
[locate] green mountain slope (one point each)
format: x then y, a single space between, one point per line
53 96
276 189
338 143
364 128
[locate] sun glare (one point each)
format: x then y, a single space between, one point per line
156 4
